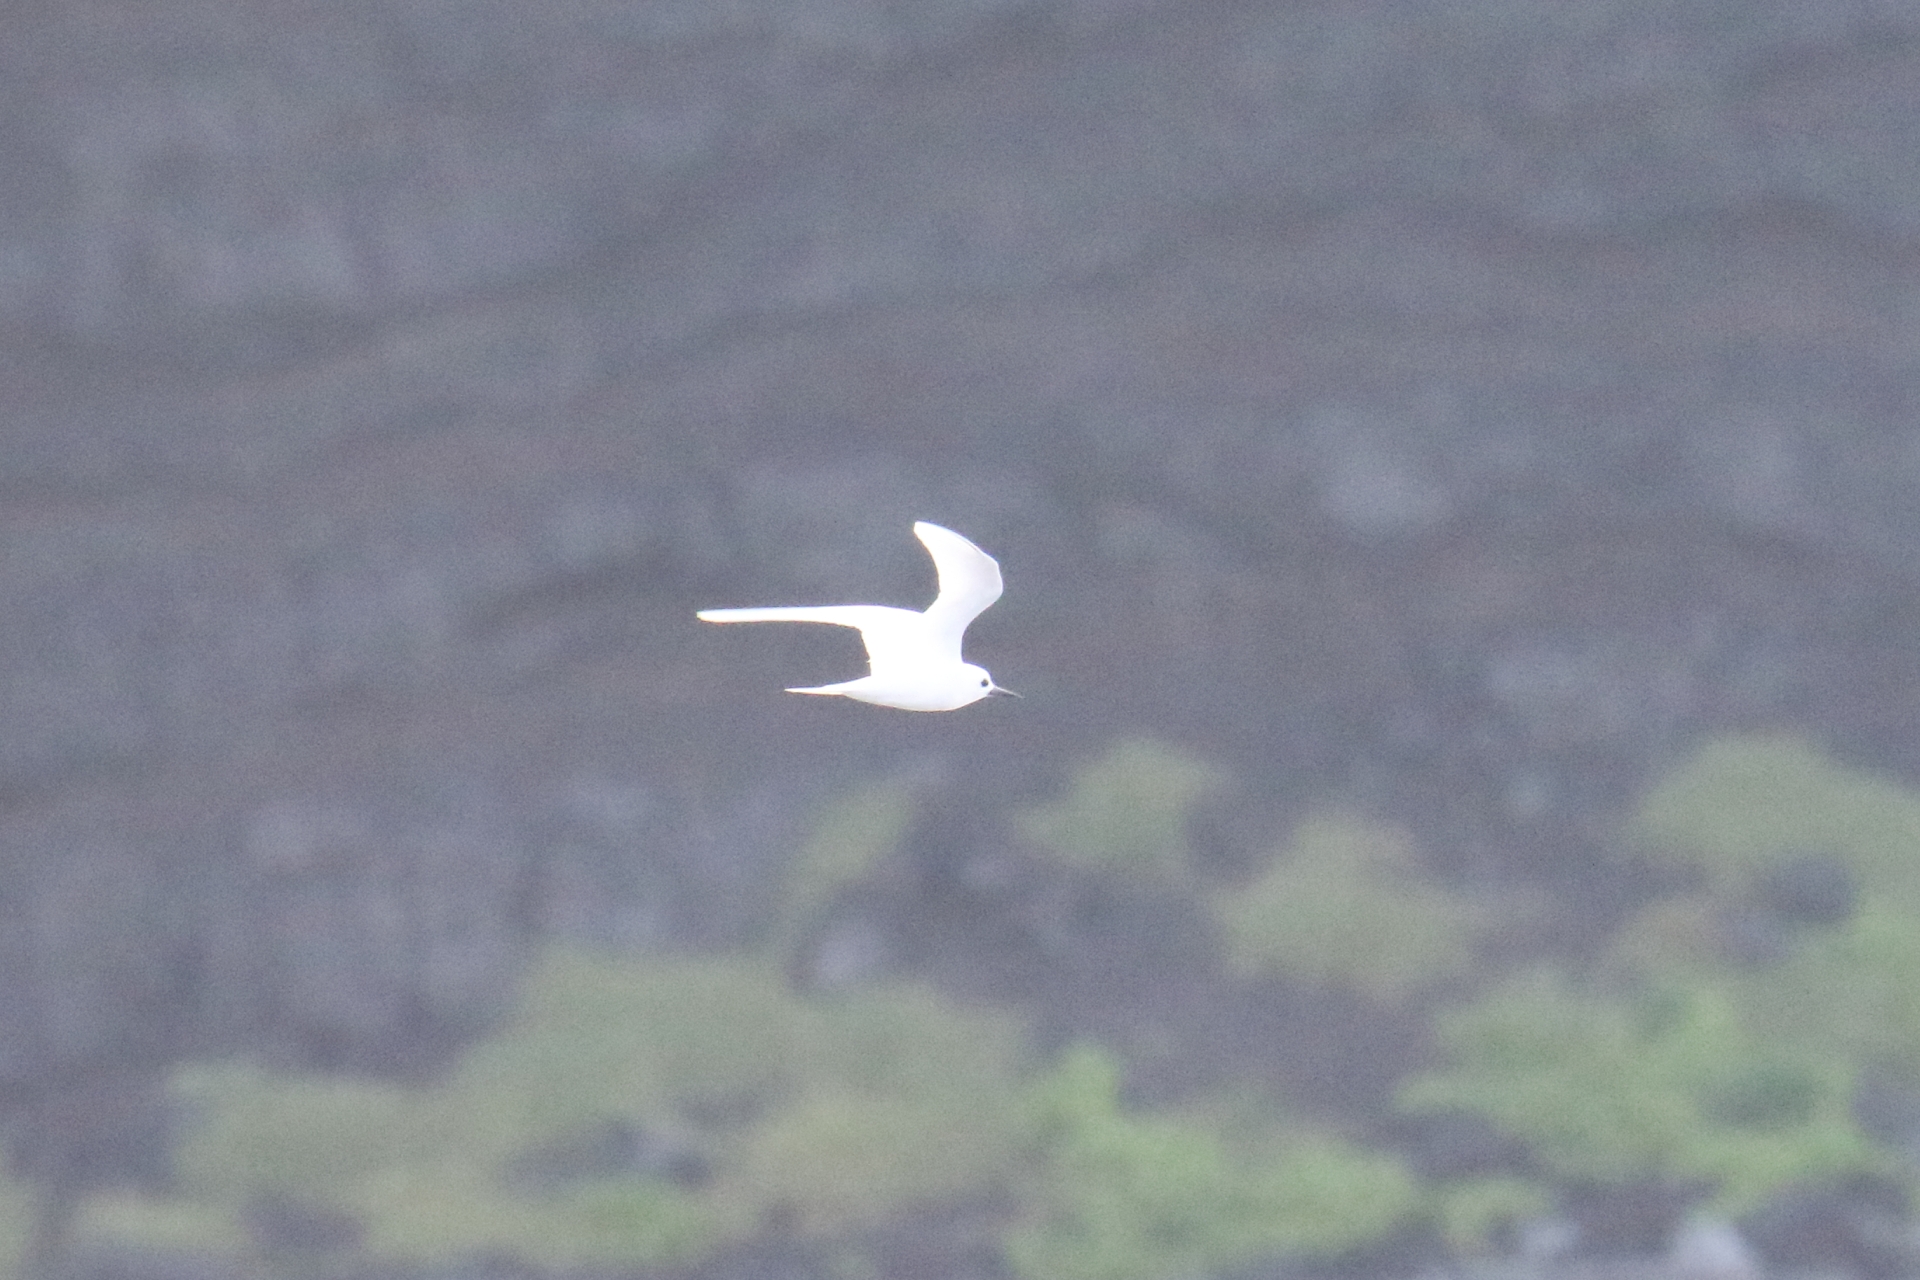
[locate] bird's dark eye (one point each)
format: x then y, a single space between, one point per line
984 682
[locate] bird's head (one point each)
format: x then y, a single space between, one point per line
981 682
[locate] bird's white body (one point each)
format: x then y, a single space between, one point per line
913 658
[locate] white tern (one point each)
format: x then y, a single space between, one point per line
914 658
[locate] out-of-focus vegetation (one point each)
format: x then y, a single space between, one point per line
652 1110
1345 904
16 1222
635 1111
1740 804
1123 1196
851 836
1721 1036
1667 1084
1826 861
1126 811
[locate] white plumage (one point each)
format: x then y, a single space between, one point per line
913 658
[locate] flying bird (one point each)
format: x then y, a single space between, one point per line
913 658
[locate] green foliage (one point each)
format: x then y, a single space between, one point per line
1685 1059
833 1114
1847 992
1740 803
18 1203
897 1099
852 836
839 1162
1345 906
259 1132
596 1036
168 1224
1125 1196
425 1170
444 1209
1126 811
1669 1084
1674 1060
1471 1212
1852 990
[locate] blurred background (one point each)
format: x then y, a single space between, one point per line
1456 472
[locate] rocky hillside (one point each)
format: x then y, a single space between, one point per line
1448 414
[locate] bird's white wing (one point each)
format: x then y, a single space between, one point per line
969 582
883 629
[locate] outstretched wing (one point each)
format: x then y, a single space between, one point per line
969 582
880 626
